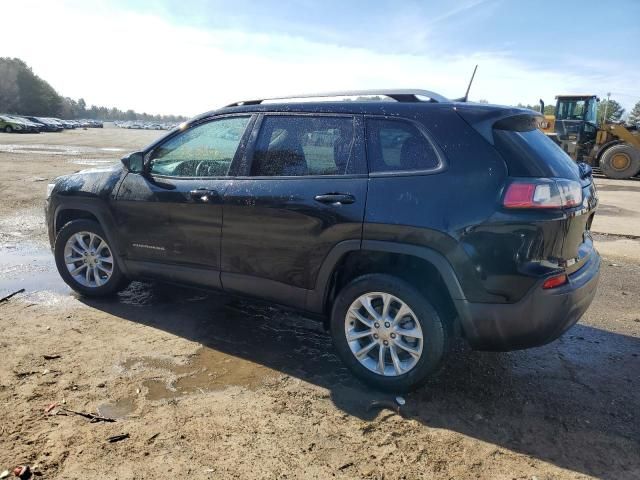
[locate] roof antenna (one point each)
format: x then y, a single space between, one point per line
466 95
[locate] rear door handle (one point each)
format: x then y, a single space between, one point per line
203 194
335 198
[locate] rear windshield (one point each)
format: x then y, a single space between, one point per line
533 154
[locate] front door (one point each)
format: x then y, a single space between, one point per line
304 192
171 217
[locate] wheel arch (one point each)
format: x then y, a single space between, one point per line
419 265
66 215
77 210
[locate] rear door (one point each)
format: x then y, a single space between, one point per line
173 214
303 192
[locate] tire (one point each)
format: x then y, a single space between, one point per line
8 129
99 277
620 161
433 345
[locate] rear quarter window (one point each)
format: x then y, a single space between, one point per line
398 146
532 154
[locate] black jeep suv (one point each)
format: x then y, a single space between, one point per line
402 222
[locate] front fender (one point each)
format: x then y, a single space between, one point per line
94 207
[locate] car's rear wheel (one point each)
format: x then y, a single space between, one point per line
8 129
387 332
86 260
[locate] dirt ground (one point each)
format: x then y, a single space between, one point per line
208 386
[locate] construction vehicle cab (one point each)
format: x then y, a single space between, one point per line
611 147
576 123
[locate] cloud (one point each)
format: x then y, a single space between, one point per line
464 7
142 61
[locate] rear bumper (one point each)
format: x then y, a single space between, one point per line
538 318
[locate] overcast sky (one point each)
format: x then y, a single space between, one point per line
186 57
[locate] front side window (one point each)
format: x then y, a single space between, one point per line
206 150
304 145
397 146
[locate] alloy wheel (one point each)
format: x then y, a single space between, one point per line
383 334
88 259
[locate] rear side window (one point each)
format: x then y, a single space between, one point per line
532 154
304 145
396 145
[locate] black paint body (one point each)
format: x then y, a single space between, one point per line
268 237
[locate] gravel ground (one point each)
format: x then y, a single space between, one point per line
208 386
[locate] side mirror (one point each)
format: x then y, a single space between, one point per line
134 162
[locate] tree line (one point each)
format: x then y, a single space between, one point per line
22 92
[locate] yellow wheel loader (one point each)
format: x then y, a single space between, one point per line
612 147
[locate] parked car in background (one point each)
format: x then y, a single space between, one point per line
65 123
25 125
403 225
10 125
45 124
39 125
53 121
30 126
33 124
144 125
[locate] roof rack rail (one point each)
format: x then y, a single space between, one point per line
401 95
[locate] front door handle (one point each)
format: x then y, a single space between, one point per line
203 194
335 198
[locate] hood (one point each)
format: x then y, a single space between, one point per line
92 182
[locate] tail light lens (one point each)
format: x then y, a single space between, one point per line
554 282
543 193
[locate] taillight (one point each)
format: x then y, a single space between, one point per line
553 282
543 193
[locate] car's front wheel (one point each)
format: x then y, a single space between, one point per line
86 260
8 129
387 332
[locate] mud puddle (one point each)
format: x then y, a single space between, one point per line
206 371
30 265
119 409
242 344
